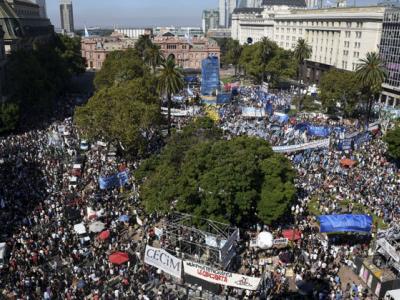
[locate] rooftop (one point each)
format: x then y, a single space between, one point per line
294 3
248 10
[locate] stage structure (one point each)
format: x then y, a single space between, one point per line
213 246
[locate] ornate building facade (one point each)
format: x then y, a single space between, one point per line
188 52
23 25
96 49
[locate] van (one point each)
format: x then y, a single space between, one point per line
392 295
3 254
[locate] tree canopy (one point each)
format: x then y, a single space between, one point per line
241 180
35 78
126 113
341 87
119 67
392 138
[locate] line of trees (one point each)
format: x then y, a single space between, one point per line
34 80
265 59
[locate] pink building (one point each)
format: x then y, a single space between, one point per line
96 49
188 53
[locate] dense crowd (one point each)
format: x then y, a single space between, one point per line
49 183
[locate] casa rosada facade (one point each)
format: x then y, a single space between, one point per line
188 52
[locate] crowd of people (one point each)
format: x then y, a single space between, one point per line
42 199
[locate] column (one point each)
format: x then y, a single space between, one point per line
394 102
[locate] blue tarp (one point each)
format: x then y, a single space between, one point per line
345 223
116 180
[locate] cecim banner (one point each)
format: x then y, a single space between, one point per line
220 277
164 261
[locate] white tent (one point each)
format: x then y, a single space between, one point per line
80 228
264 240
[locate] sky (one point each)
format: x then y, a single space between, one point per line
140 13
133 13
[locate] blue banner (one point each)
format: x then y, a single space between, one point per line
345 144
345 223
224 98
362 138
116 180
321 131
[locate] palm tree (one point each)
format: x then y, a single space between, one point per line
170 81
266 52
371 73
142 44
153 56
302 51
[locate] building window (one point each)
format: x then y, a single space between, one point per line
348 33
348 24
358 34
301 31
357 45
346 44
345 52
356 54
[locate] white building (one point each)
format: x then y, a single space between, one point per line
133 33
339 37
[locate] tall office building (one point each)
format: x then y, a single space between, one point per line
226 8
210 20
389 52
67 17
42 8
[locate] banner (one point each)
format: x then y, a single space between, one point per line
164 261
213 275
321 131
293 148
280 242
116 180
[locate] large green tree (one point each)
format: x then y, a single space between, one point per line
302 51
119 67
371 73
128 113
240 181
281 66
339 87
170 81
36 77
392 138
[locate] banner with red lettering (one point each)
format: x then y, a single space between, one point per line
164 261
213 275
